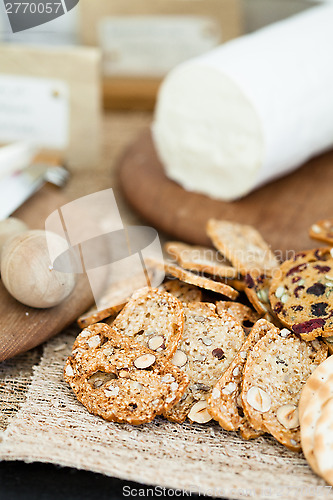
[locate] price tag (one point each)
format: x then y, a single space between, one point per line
35 109
149 46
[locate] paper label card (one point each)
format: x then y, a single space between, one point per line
152 45
35 109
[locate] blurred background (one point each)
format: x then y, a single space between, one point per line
135 40
104 61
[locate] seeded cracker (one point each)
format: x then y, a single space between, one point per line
203 259
182 291
240 312
322 231
194 279
120 380
275 373
224 403
94 316
257 291
209 344
301 293
154 318
113 299
243 246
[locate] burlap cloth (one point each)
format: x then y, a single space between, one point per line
42 421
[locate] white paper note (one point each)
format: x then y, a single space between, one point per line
34 109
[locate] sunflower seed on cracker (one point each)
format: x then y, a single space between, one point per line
153 317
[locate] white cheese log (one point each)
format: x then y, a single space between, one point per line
250 110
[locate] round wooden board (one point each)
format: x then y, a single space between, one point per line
282 211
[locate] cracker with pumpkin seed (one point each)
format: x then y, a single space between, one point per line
194 279
322 231
243 246
273 378
182 291
224 403
257 291
208 346
154 318
301 293
241 312
202 259
119 379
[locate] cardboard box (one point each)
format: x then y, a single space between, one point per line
52 96
142 40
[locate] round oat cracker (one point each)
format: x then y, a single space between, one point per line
309 420
323 442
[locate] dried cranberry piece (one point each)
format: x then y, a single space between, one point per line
218 353
278 307
317 289
295 279
308 326
297 308
321 256
299 255
261 278
297 269
249 281
319 309
322 269
297 290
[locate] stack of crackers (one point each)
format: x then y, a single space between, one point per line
230 335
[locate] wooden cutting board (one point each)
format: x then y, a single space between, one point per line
22 327
282 211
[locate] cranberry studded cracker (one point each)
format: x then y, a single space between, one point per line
154 318
240 312
209 344
203 259
275 373
224 403
322 231
243 246
257 291
329 342
182 291
301 293
194 279
120 380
